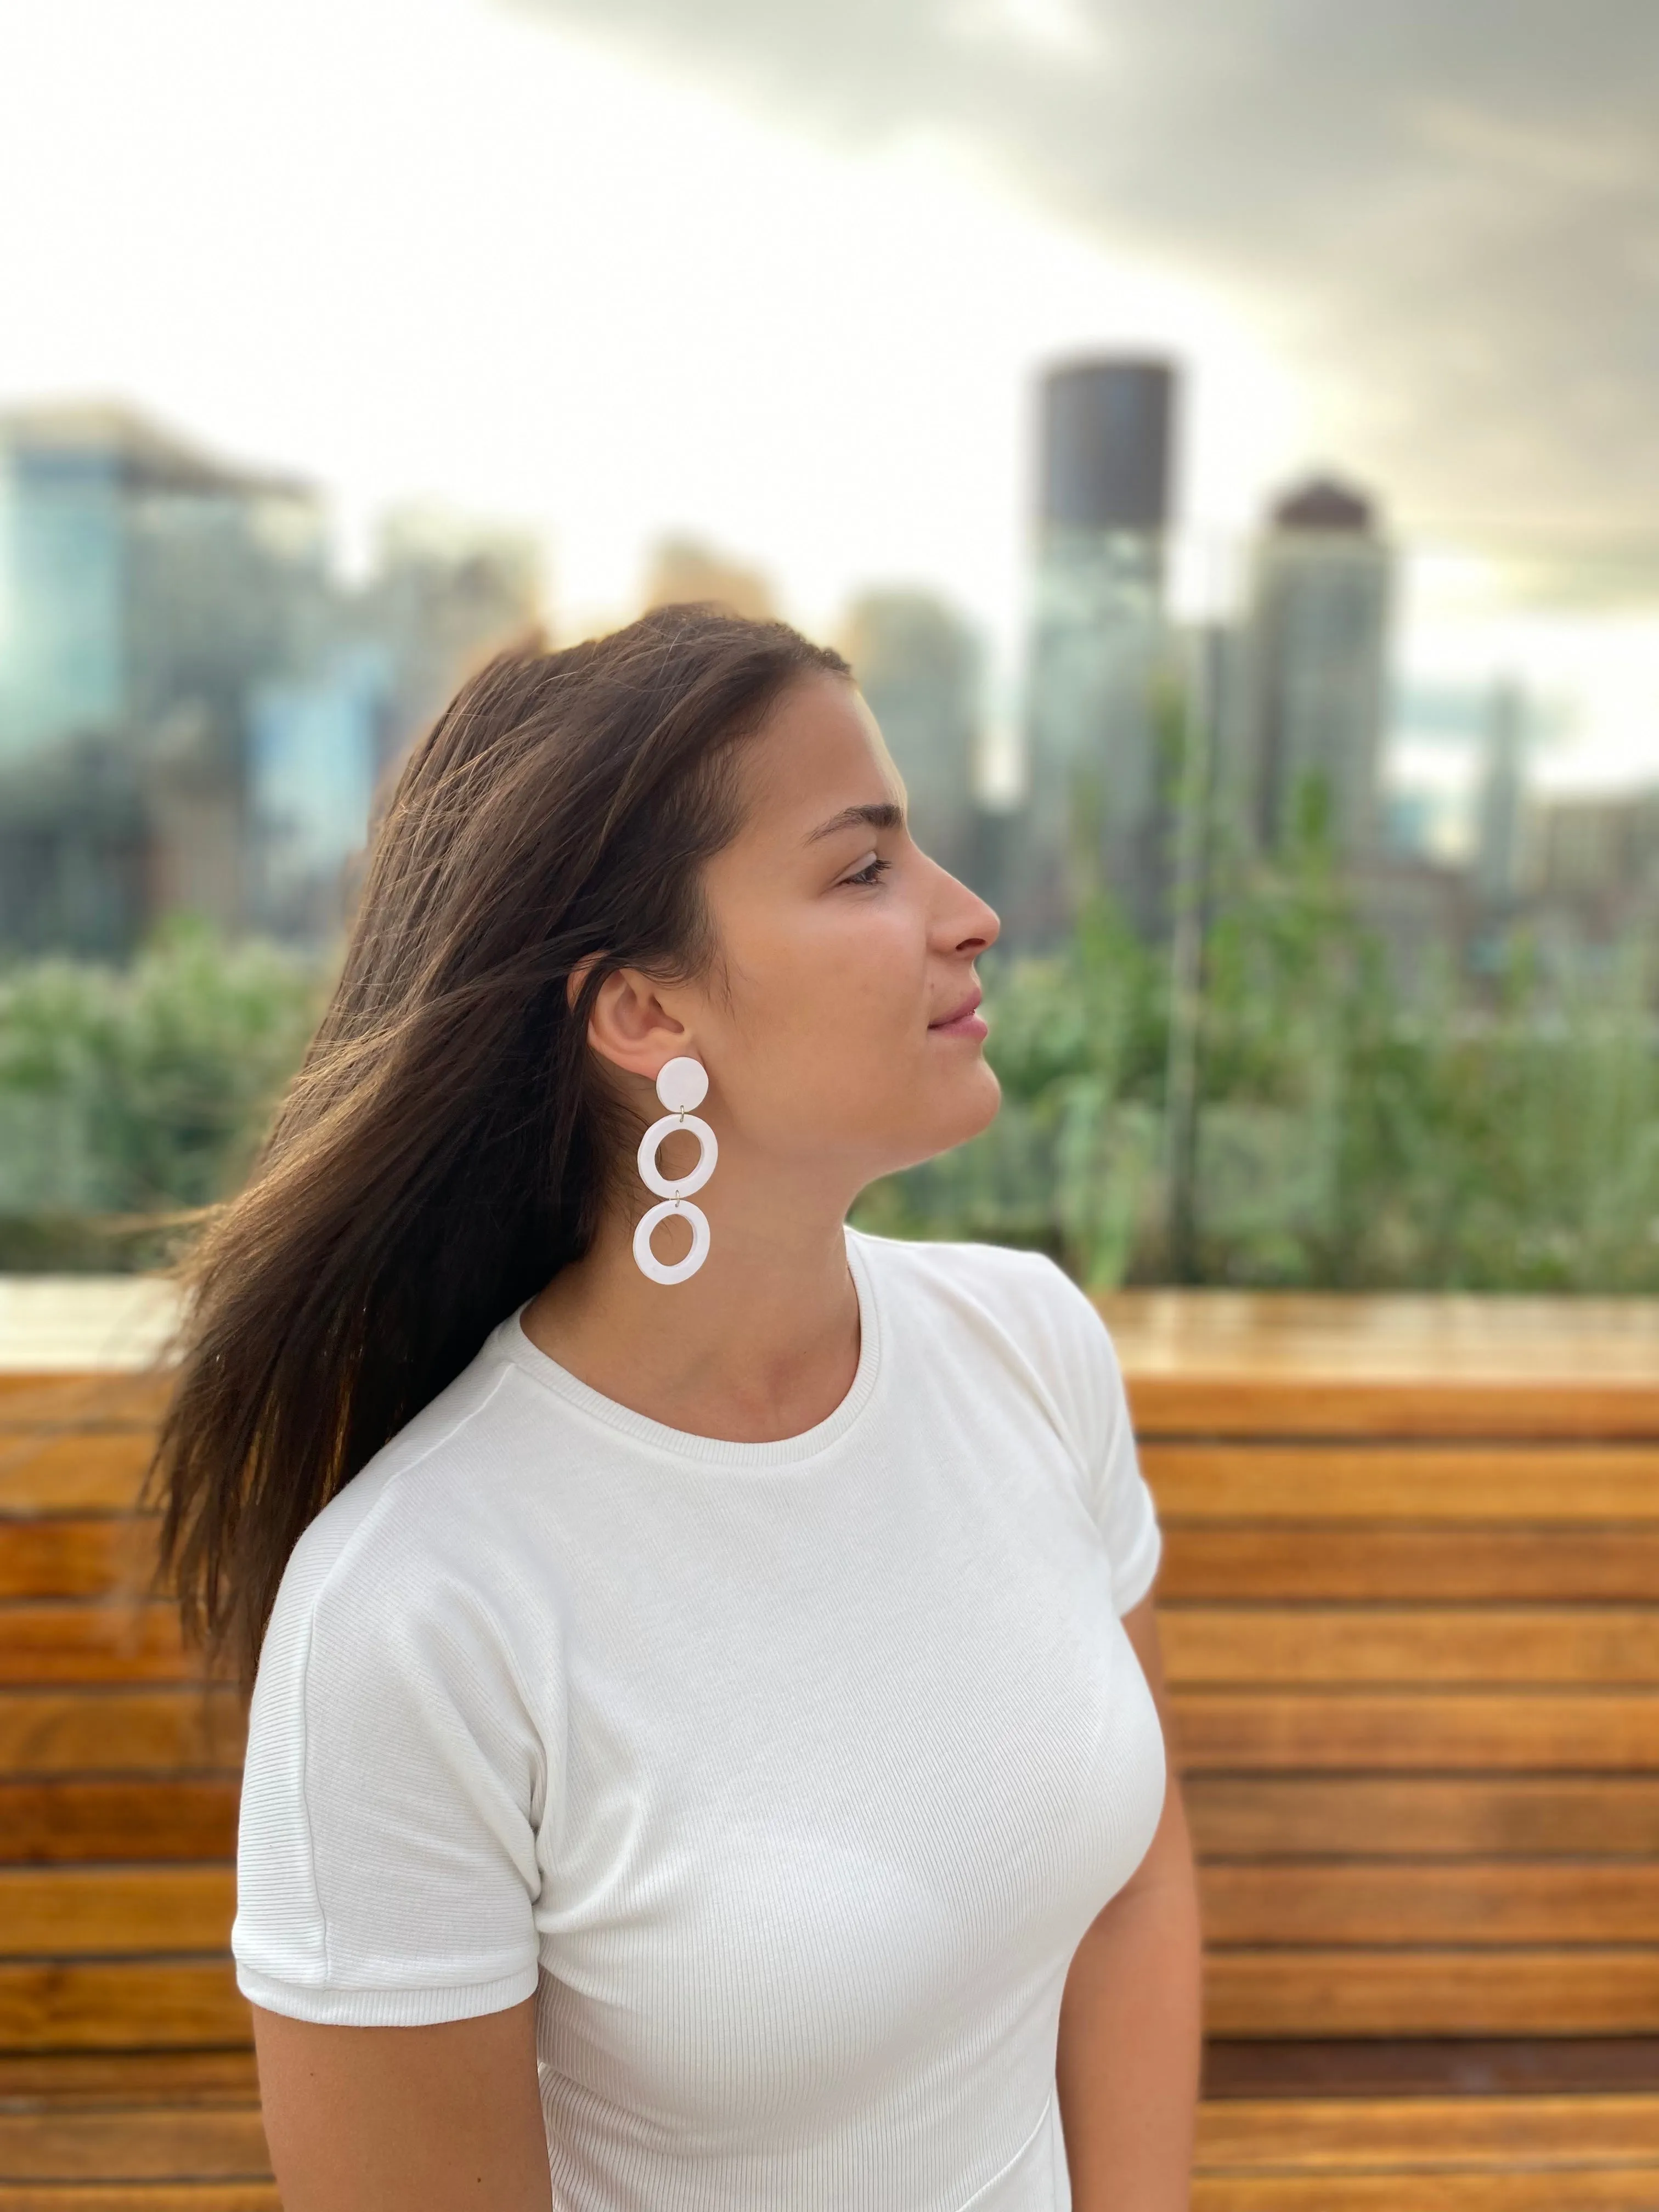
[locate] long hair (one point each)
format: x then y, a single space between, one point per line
446 1146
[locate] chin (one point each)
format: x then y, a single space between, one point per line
970 1110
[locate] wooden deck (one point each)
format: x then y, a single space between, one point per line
1410 1607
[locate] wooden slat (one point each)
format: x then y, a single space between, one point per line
140 2196
116 2006
1598 1644
77 1471
1337 2134
54 1641
108 1556
1416 1406
1245 1559
1499 2153
101 1399
41 2080
1590 2189
1251 1817
101 1731
1428 1482
1351 1990
1377 2066
191 2144
46 1822
115 1911
1275 1730
1486 1904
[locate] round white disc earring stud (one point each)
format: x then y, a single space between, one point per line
683 1085
678 1271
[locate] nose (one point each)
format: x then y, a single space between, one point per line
965 923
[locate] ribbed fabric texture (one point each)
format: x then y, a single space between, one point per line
788 1776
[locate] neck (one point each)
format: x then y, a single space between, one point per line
763 1342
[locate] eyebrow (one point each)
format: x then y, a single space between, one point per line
884 817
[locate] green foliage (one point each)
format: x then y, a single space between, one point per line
1347 1138
127 1094
1071 1163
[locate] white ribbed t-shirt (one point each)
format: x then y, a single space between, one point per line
786 1776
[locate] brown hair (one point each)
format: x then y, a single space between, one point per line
444 1149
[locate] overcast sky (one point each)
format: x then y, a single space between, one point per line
779 271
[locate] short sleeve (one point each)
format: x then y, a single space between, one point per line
1123 1500
387 1863
1069 1344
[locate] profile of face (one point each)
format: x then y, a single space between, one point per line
838 1023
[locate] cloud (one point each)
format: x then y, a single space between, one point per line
1445 217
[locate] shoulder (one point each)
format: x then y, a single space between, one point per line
1017 1305
1024 1292
418 1549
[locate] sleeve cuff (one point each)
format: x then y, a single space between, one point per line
427 2008
1137 1574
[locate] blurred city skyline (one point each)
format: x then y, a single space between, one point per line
569 274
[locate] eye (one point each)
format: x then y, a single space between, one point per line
868 870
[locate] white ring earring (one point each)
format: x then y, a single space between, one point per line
682 1084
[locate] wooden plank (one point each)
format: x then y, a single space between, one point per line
1285 1364
55 1641
42 2081
42 1823
1432 1483
140 2196
1335 1335
1424 1404
1222 1643
1431 2066
109 1732
113 1911
1276 1730
106 1556
1427 2188
200 2143
1591 1989
1256 1816
122 2005
1244 1559
1338 2134
1576 2188
83 1471
100 1399
1486 1904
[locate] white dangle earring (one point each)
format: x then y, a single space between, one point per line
683 1084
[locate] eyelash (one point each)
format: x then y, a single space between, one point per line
873 867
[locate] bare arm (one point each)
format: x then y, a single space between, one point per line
404 2119
1131 2019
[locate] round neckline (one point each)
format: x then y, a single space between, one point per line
514 1345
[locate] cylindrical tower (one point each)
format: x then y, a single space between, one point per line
1106 441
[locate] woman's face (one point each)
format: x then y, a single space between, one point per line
839 1027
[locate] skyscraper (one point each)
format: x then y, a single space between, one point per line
1096 815
1321 594
447 592
684 572
142 587
920 667
193 711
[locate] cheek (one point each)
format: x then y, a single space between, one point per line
834 1014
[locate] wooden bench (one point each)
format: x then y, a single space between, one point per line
1410 1611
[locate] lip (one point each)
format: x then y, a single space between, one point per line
965 1020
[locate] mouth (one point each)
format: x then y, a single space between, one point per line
963 1021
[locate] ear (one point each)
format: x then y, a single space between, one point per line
630 1025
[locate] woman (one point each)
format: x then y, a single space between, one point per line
706 1746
